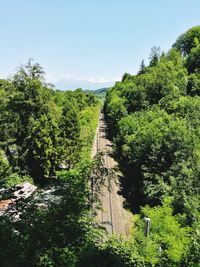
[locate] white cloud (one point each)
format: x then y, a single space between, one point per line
102 80
93 80
97 80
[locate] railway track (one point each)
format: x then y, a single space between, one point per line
112 216
106 191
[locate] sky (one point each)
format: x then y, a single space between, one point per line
89 40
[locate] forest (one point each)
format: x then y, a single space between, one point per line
154 120
46 137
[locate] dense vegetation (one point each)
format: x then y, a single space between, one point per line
100 93
41 128
154 120
46 137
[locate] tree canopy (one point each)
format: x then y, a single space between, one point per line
153 118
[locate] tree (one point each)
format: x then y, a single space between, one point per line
193 60
69 135
158 157
187 108
28 101
188 40
53 232
193 86
115 108
5 169
154 55
135 97
142 68
168 242
42 153
126 76
115 252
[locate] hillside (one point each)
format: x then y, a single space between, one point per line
101 93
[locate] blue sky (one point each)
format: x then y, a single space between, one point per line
95 40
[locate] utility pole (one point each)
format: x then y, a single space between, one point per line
147 230
147 226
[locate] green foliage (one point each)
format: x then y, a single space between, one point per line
189 45
193 86
154 55
40 128
115 108
115 252
136 97
158 155
62 233
187 108
28 101
188 40
5 169
126 77
69 127
9 177
155 125
142 68
193 258
58 257
168 242
43 148
49 233
100 93
193 60
88 122
158 81
154 121
165 79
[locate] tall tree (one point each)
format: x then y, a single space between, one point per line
187 40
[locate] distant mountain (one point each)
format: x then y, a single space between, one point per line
101 92
70 84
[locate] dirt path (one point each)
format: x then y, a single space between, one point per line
112 216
